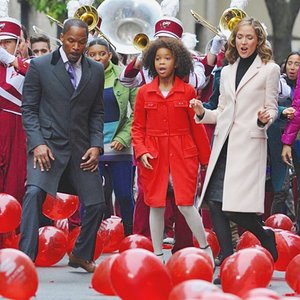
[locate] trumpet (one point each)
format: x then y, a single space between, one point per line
141 41
228 21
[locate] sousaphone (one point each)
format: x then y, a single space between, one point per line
123 21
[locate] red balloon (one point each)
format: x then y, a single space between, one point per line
184 265
261 292
186 252
52 246
192 289
138 274
246 269
218 296
11 240
292 274
60 207
18 276
212 241
10 213
247 240
112 233
279 221
101 280
135 241
72 237
288 246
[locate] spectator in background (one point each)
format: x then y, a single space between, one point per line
24 50
40 45
283 201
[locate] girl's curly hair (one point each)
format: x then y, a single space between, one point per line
183 58
264 49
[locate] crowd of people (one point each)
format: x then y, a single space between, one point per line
197 135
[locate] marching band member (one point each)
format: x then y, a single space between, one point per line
12 136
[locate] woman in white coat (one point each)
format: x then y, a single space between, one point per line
234 186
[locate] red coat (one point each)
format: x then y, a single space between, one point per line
165 128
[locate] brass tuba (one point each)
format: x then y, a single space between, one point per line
89 15
228 21
129 24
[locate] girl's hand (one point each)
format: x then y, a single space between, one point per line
116 146
286 155
144 160
197 106
289 112
263 116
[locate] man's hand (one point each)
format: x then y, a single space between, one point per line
145 160
197 106
5 57
90 159
42 155
116 145
286 155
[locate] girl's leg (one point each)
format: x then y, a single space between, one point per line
250 222
194 221
157 225
122 174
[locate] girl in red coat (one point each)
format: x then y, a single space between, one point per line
166 140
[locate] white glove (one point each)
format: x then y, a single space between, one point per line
217 44
5 57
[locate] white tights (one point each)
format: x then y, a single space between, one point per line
192 218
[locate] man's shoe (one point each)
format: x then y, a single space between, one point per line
77 262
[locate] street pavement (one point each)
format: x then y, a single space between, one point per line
61 282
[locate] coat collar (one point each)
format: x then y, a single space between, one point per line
178 86
60 72
251 72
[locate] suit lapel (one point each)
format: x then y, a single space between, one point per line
61 73
251 72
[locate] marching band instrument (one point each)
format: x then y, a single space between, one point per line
53 41
141 41
55 21
89 15
228 21
122 21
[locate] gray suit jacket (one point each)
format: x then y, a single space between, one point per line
68 121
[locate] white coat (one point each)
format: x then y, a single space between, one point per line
236 118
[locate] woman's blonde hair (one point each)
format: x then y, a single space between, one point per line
263 46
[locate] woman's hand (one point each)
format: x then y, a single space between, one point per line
286 155
145 160
289 112
197 106
264 116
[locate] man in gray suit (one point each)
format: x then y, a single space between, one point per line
62 114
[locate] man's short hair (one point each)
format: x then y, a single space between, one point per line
75 22
40 38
